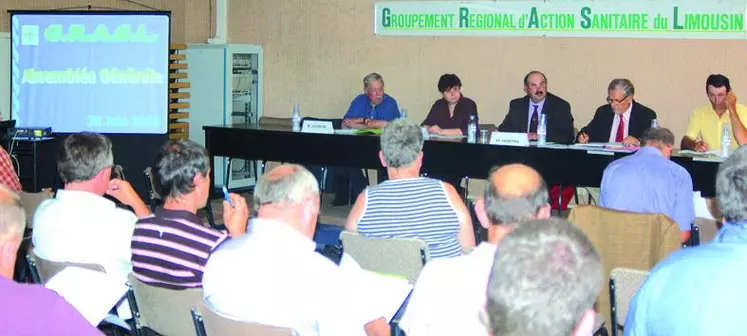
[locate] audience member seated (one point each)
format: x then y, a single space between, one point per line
697 291
79 224
706 122
8 174
410 206
29 309
545 279
450 293
272 276
171 247
450 116
648 182
622 120
371 109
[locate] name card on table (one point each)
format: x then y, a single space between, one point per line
318 126
509 139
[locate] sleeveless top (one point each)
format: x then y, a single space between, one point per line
412 208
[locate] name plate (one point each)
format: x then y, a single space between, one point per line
318 127
509 139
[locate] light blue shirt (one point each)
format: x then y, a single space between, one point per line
361 107
695 291
540 106
647 182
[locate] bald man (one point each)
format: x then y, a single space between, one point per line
246 278
450 293
29 309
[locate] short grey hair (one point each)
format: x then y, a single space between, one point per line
657 135
623 84
401 142
545 275
291 188
372 77
83 155
12 215
731 186
512 209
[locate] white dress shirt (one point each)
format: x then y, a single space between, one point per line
272 275
80 226
450 295
616 123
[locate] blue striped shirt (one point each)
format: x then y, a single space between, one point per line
412 208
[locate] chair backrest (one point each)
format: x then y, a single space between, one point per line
624 283
708 229
626 239
272 121
208 323
165 311
399 256
30 202
46 269
150 185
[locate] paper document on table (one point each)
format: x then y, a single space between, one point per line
346 131
598 144
92 293
692 152
439 136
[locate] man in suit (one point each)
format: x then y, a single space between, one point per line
622 120
524 113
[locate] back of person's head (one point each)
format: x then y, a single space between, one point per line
731 186
401 143
287 184
12 224
514 193
176 166
83 155
658 137
545 278
718 81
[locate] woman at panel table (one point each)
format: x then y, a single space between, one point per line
450 116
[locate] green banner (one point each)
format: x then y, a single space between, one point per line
685 19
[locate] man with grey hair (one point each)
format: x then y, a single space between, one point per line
697 291
450 293
648 182
271 275
29 309
371 109
621 120
545 279
79 224
410 206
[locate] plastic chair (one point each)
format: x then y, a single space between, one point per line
165 311
399 256
624 283
208 323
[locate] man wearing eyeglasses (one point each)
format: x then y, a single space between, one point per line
622 120
373 108
707 122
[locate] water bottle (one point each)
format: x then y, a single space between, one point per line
472 130
654 123
403 114
725 140
542 131
296 118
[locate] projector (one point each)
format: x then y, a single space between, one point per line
30 133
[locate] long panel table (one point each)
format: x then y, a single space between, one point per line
557 166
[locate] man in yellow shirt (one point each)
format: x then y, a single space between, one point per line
706 122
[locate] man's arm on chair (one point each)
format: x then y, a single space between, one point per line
351 225
466 231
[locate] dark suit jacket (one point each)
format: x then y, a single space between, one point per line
557 112
599 128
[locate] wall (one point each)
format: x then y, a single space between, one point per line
190 19
316 53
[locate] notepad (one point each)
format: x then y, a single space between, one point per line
92 293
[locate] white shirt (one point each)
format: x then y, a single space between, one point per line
616 123
80 226
449 295
271 275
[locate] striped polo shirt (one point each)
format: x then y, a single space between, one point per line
412 208
171 247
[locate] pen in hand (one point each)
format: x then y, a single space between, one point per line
226 197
